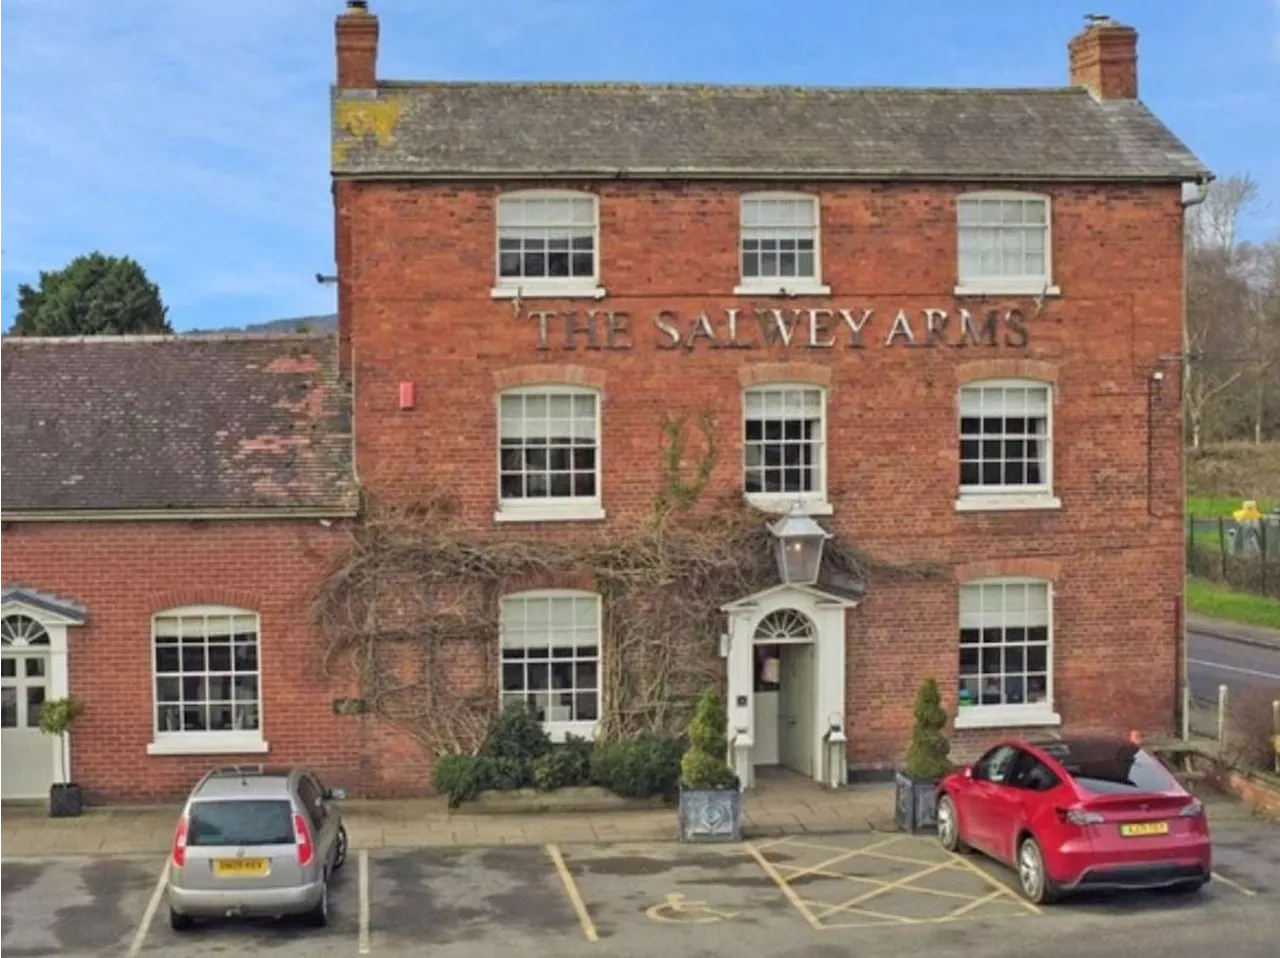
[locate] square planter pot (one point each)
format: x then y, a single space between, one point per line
915 803
65 801
710 815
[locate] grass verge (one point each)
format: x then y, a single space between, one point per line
1213 507
1220 602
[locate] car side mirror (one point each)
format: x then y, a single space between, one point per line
335 794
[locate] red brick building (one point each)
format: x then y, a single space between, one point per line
946 323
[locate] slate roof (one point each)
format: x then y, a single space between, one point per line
43 600
174 422
606 129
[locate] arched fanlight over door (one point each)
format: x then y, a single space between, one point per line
21 631
785 625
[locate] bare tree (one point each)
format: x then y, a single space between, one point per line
1218 295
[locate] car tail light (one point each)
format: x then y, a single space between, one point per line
180 843
1078 816
1194 810
302 835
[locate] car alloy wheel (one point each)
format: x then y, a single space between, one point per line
1036 884
948 827
340 853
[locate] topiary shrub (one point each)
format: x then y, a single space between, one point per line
703 766
929 748
639 767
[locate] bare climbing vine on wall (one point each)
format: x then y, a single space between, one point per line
412 605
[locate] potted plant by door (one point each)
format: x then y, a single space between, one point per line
710 799
56 718
916 785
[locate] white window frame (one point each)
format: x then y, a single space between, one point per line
781 285
209 742
565 287
816 502
996 498
1040 714
979 285
561 508
559 729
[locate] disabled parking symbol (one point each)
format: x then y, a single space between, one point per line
679 910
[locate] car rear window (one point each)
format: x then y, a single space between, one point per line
241 822
1112 768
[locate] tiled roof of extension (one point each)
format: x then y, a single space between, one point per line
496 130
218 423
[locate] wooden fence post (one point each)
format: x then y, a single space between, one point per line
1222 719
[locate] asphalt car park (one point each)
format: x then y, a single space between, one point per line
878 892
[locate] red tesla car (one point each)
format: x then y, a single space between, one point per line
1077 813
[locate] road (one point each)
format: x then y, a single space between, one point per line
875 895
1212 661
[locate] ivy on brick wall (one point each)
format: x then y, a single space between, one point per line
412 605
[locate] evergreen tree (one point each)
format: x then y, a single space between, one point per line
94 295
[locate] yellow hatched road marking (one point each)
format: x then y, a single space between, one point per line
883 889
1234 884
787 890
880 881
998 885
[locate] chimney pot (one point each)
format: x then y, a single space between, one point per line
356 31
1104 58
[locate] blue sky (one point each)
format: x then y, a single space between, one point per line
192 135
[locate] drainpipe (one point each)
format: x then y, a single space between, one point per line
1184 681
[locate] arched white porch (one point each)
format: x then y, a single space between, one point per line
34 660
803 627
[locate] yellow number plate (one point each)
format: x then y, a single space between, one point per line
240 867
1144 828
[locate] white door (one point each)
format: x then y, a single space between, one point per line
795 709
27 768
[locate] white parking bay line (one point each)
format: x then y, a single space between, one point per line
364 901
149 915
1218 666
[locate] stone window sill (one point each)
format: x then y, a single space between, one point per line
1006 716
782 504
208 743
1000 502
798 288
980 288
588 290
557 512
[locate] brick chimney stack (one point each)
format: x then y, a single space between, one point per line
1104 59
357 35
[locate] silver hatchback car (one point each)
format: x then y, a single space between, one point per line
256 841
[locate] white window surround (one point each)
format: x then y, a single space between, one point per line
976 284
1021 715
546 287
551 509
240 742
557 729
780 285
815 501
999 498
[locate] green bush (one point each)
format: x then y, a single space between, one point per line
461 777
564 766
639 767
929 748
516 735
703 765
